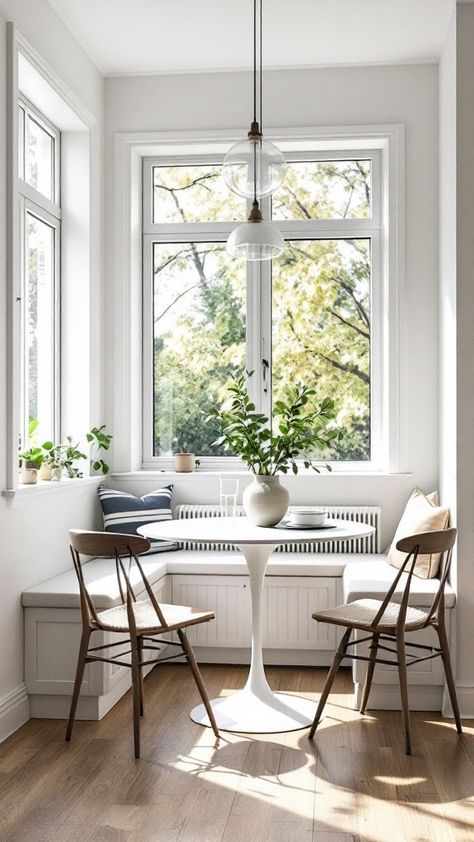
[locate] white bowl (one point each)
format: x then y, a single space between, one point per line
307 518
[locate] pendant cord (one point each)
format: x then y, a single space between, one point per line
255 61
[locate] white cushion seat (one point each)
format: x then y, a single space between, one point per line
281 564
176 616
361 613
373 579
101 580
62 591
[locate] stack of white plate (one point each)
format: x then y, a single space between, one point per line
306 517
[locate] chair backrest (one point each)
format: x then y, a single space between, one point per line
427 543
108 545
442 542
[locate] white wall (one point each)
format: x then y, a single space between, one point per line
33 527
447 268
326 97
464 373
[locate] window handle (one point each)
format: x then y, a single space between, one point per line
265 367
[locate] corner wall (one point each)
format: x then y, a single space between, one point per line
463 408
33 526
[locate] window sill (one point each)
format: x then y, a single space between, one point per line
48 486
194 475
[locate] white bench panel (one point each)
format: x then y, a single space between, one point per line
52 637
288 604
228 596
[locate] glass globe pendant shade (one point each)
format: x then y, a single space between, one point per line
254 167
255 239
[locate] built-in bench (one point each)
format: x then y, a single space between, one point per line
300 580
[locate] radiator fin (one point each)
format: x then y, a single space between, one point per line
360 514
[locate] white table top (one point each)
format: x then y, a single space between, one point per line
240 530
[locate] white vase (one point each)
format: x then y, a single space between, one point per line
28 474
45 471
265 501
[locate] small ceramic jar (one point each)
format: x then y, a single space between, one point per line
29 473
184 462
45 471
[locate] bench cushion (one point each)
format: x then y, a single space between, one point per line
63 592
101 579
280 564
368 578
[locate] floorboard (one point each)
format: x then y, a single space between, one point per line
352 784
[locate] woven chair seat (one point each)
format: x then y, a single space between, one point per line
361 613
176 616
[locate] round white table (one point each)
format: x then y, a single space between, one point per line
255 709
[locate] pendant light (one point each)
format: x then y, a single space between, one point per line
254 168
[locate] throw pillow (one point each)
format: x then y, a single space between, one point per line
422 514
124 512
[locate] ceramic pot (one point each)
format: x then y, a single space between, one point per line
265 501
29 473
45 471
184 462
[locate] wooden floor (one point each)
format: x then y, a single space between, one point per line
353 785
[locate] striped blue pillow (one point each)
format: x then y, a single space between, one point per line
124 512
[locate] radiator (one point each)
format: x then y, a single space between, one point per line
360 514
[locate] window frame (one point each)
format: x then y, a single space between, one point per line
259 309
35 203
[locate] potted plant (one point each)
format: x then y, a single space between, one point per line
31 460
269 449
66 455
99 440
46 468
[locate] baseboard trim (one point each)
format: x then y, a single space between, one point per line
387 697
271 657
465 694
14 711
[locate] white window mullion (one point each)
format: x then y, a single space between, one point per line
148 351
266 337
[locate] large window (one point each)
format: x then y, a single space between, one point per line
311 315
40 245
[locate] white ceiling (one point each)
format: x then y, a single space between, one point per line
176 36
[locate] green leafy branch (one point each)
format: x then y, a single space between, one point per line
298 428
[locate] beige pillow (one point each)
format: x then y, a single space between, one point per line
422 514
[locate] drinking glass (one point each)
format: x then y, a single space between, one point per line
228 490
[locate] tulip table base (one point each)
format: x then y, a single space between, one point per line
256 709
245 712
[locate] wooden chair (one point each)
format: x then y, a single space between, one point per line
388 621
141 620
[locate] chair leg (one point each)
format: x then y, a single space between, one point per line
136 693
190 657
341 651
81 664
402 677
444 645
374 645
140 673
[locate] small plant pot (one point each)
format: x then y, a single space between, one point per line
29 473
184 462
56 473
45 471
